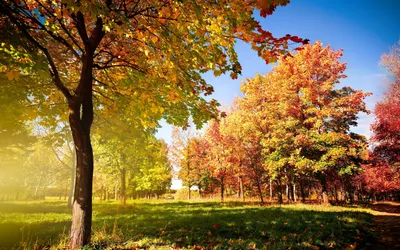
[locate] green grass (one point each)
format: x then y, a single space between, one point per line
207 225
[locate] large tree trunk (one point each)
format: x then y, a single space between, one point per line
82 205
81 119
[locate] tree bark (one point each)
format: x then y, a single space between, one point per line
294 193
270 190
222 188
259 190
188 191
122 195
82 204
241 191
324 184
279 191
72 183
302 192
81 119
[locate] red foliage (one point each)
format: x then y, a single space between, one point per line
380 178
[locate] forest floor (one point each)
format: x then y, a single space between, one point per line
203 225
386 226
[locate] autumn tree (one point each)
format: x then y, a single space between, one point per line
386 129
304 119
243 138
182 153
382 174
86 49
219 152
154 172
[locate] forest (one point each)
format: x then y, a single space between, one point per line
87 86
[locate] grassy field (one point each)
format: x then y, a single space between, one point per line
197 225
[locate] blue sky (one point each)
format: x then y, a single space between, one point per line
364 29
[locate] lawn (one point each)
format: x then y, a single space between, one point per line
196 225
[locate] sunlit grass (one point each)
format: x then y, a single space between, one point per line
165 224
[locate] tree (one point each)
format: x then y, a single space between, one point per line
154 173
386 129
243 138
304 120
181 155
86 49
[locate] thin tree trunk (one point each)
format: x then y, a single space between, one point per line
239 195
287 193
302 192
222 188
259 190
72 183
241 191
279 191
189 191
270 190
122 194
35 195
294 193
324 184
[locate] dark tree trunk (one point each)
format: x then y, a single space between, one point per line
200 191
222 188
279 191
188 191
81 119
270 190
324 184
239 195
259 190
122 195
82 204
302 192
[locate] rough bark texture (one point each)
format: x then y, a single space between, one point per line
81 119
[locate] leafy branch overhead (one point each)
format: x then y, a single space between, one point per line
172 42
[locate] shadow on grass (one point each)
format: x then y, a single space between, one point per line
208 225
391 207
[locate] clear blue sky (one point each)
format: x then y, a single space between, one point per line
364 29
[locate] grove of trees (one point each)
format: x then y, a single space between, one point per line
77 59
291 134
84 85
